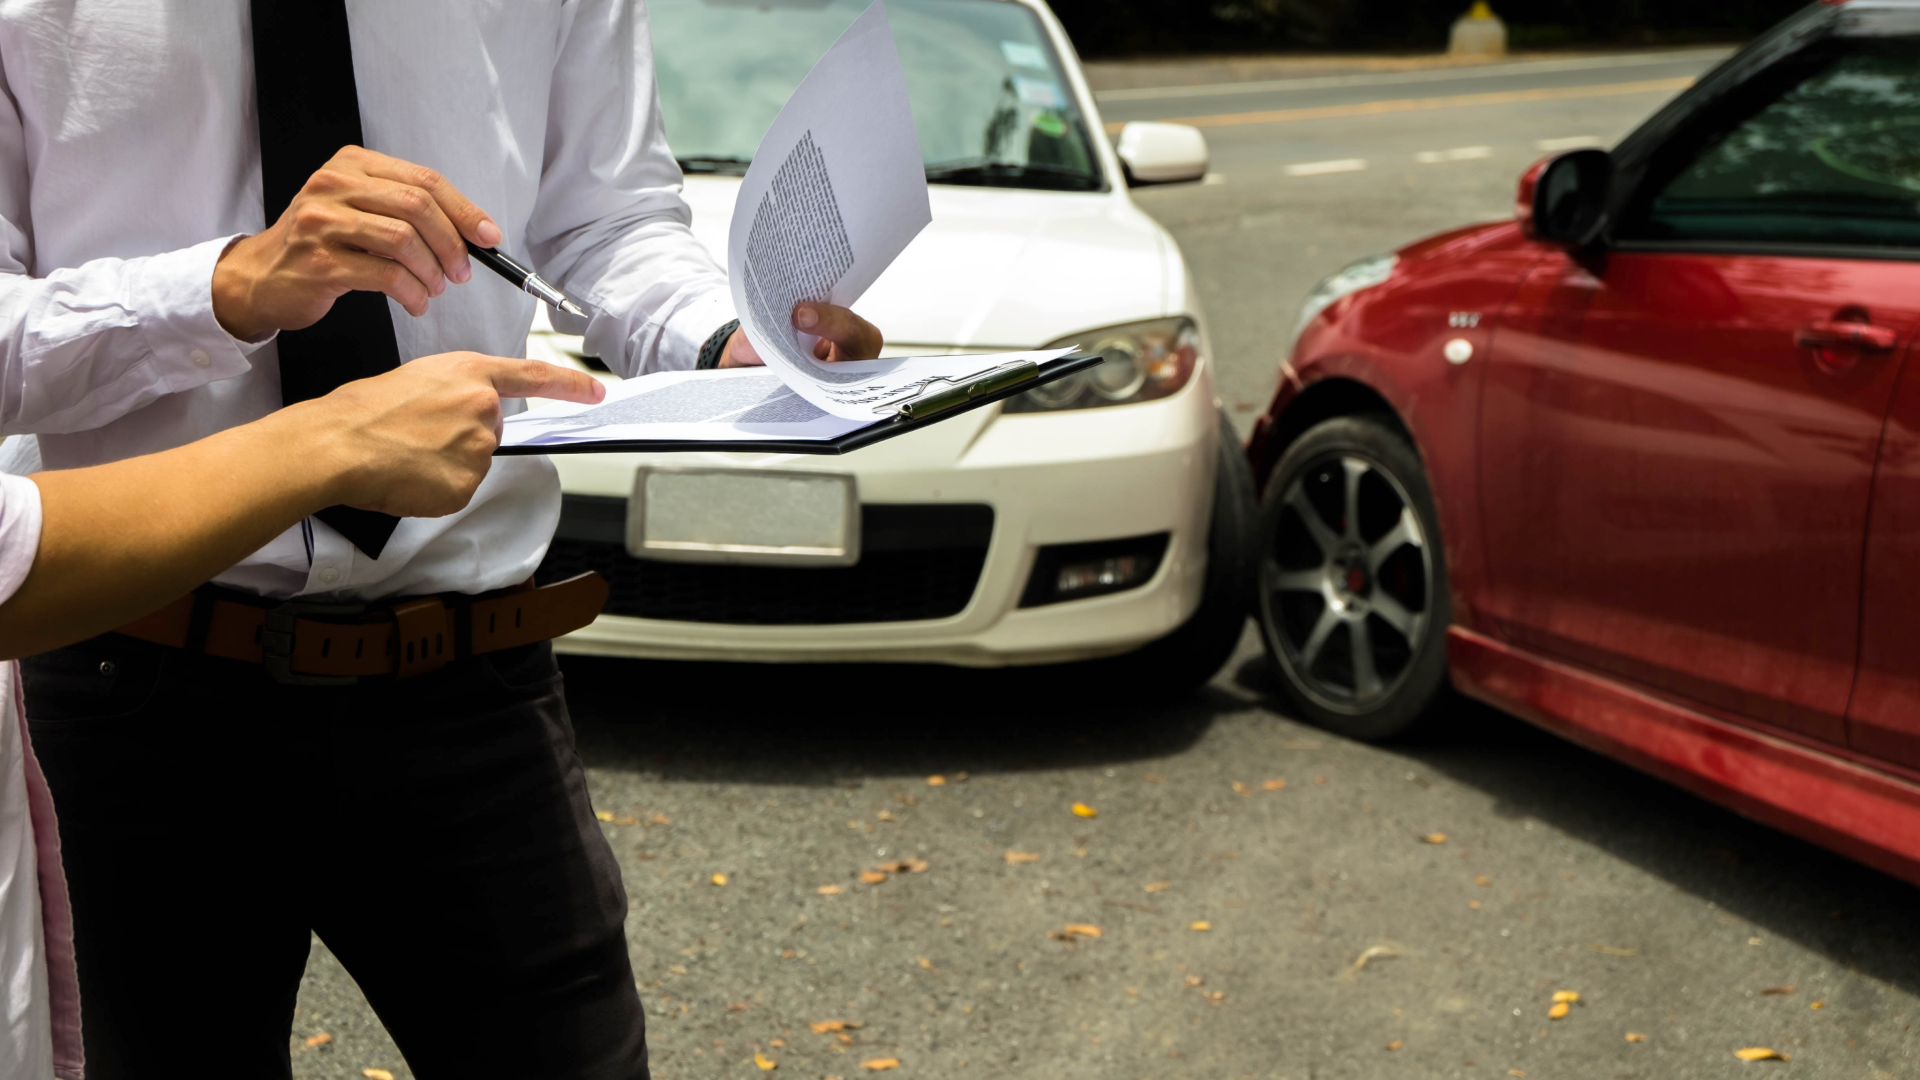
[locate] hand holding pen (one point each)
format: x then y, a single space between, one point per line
364 221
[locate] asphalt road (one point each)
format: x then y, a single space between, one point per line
1674 920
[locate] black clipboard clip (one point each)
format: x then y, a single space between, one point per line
931 401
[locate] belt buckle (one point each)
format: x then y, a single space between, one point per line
276 642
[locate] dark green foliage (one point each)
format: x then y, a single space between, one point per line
1133 27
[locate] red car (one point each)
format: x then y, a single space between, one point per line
1641 465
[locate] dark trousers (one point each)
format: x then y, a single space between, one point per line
435 834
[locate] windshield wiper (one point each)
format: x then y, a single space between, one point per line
984 173
735 166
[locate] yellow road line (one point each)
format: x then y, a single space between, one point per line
1375 108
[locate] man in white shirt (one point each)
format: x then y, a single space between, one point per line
216 806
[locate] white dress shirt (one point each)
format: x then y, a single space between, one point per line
130 159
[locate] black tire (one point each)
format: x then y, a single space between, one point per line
1188 657
1353 603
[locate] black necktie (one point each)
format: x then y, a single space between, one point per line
309 108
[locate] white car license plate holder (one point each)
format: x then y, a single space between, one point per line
765 517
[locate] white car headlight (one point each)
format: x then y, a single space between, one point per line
1350 279
1145 360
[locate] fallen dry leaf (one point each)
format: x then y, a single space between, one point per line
1083 929
1241 789
1372 952
678 969
318 1038
1634 1036
1194 980
1275 784
1482 879
1159 886
1394 1045
1214 997
1474 904
376 1074
1760 1053
603 815
881 1063
1521 1073
936 780
904 866
1776 991
661 819
1434 838
873 877
1081 809
885 815
1559 1011
1566 995
825 1026
924 962
828 890
765 1063
738 1006
1817 1005
718 879
776 1042
1202 925
1014 857
615 819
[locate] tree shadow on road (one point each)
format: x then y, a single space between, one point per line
823 724
1854 915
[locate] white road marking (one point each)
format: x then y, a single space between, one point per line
1321 168
1213 179
1458 153
1571 142
1396 78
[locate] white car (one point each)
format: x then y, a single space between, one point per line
1090 518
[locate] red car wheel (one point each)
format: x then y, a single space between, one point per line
1353 598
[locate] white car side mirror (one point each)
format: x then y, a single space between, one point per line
1162 153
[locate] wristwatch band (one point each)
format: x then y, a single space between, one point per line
716 346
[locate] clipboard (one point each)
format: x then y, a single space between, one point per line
930 407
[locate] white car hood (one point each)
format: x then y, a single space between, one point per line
999 267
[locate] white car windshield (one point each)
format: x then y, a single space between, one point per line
990 100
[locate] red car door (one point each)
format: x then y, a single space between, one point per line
1679 433
1884 716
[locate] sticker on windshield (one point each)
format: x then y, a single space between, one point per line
1021 54
1042 92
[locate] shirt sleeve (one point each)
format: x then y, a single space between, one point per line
88 344
609 225
19 532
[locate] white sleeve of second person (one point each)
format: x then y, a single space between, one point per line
86 345
609 225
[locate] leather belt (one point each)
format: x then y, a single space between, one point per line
330 644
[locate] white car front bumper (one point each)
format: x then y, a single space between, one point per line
1050 478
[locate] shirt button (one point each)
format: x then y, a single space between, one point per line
329 576
200 358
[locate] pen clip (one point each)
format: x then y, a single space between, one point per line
930 401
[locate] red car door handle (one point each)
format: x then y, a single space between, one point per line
1865 337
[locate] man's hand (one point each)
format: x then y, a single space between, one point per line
364 221
417 441
843 336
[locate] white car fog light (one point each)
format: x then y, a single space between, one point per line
1076 571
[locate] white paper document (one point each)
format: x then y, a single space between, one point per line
836 191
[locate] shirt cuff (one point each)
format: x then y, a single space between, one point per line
692 325
19 532
173 299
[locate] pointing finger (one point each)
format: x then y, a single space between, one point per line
535 378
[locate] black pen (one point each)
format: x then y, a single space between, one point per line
523 277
